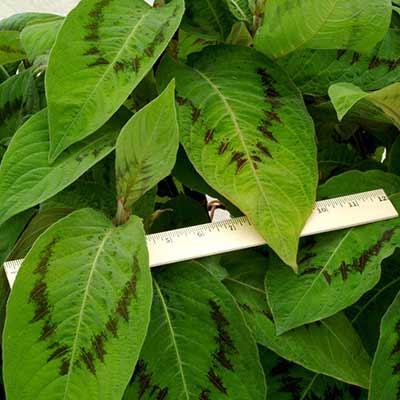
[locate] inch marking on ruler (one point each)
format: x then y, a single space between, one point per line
238 233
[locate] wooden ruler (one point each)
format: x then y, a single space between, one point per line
238 233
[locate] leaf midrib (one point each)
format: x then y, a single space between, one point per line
318 276
171 328
84 300
100 81
240 135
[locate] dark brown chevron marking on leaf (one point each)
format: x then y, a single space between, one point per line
87 358
112 326
129 292
92 28
216 381
223 147
39 296
93 51
311 270
355 58
265 131
119 66
99 61
209 136
375 62
143 378
264 149
8 49
204 395
358 264
195 114
273 116
327 277
58 352
246 308
267 314
96 350
340 53
344 269
136 64
223 339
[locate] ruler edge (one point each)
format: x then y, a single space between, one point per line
17 263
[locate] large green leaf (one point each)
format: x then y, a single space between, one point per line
38 39
385 373
322 24
346 95
335 269
27 179
103 51
78 312
19 98
198 345
245 129
314 71
146 148
330 346
10 47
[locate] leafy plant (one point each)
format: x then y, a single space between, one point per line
117 121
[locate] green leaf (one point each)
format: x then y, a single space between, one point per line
331 346
19 98
211 17
103 51
322 24
288 381
335 270
78 312
367 313
240 9
146 148
198 345
10 47
39 223
18 22
314 71
38 39
344 184
27 179
250 138
385 376
345 95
